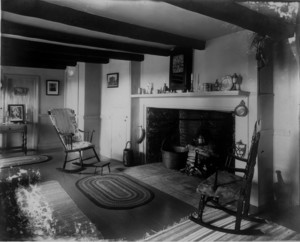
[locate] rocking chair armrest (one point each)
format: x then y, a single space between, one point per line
230 169
66 134
88 134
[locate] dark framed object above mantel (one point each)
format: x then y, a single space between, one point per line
181 61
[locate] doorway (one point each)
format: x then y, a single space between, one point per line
24 90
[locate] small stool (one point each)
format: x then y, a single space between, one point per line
101 165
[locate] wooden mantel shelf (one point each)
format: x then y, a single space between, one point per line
193 94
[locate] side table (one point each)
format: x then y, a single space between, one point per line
10 128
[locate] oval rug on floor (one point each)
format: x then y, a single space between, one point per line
115 191
22 160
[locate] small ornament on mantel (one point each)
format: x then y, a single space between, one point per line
192 83
234 81
165 88
217 85
239 82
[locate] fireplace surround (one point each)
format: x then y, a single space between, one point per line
210 102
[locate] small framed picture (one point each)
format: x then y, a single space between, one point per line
113 80
16 112
52 87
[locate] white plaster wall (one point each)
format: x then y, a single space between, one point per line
286 116
71 88
226 55
155 69
115 110
92 101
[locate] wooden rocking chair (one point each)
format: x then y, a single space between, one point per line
225 187
72 138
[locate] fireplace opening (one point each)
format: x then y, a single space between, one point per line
184 127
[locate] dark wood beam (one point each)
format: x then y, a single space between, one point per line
19 52
52 12
10 55
234 13
52 35
38 60
32 63
61 49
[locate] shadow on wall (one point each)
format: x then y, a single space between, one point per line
282 193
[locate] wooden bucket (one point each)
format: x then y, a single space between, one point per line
174 157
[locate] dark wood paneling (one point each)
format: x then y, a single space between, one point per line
52 12
52 35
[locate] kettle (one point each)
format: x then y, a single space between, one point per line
128 159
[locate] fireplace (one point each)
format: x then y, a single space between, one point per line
223 102
183 126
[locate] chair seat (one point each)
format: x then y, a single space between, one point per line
228 187
80 145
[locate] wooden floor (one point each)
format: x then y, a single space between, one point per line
130 224
133 224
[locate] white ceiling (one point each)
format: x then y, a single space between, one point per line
154 14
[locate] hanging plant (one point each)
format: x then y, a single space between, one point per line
259 43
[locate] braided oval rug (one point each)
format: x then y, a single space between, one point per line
22 160
115 191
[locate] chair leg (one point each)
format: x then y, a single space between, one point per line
239 215
201 207
108 166
96 155
66 157
81 161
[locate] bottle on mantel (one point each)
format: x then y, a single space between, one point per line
216 85
165 88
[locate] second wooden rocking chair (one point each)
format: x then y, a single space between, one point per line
224 187
73 139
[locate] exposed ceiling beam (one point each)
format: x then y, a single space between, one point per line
17 53
8 27
33 63
52 12
60 49
234 13
36 60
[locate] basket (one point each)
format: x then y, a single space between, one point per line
174 157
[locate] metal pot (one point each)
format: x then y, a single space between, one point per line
128 159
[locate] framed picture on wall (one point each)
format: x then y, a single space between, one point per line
112 80
52 87
16 112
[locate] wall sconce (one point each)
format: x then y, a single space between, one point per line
70 71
